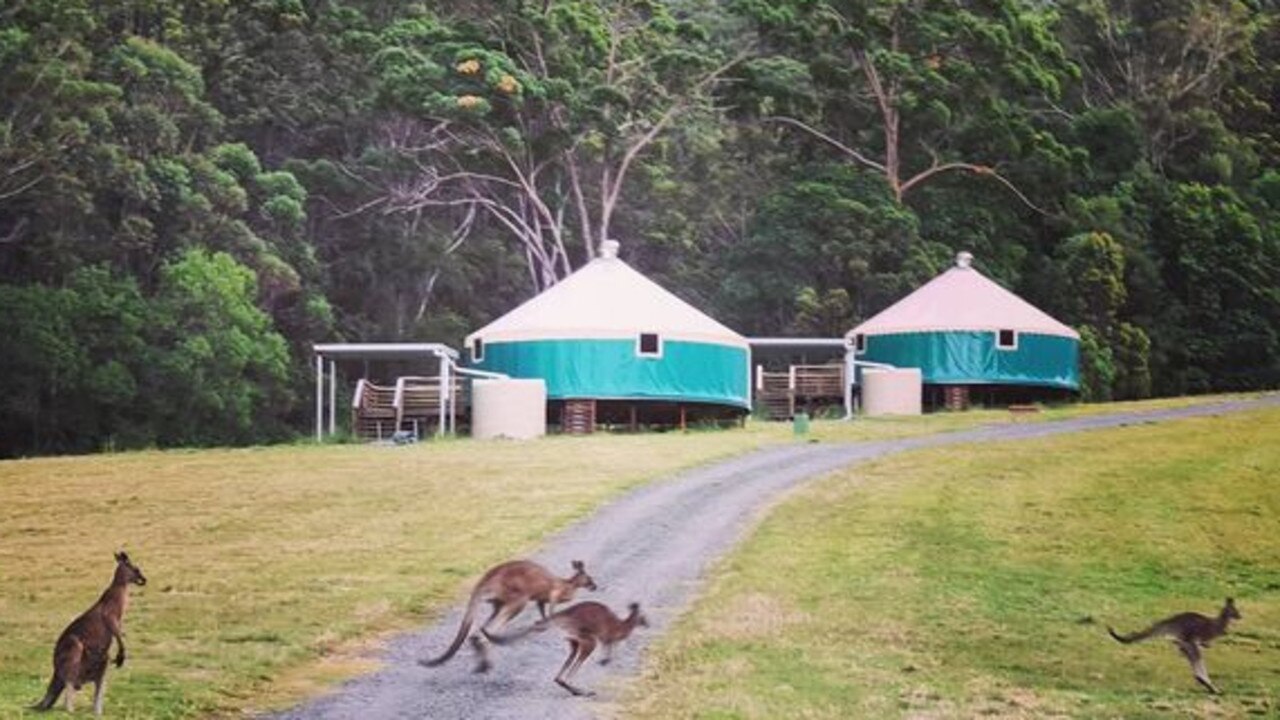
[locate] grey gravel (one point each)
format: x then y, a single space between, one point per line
651 546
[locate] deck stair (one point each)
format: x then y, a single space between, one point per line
578 417
373 412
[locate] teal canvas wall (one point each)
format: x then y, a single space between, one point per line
610 369
971 357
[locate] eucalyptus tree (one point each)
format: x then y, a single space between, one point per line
1175 66
538 118
912 90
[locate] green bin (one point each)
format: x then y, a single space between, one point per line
800 423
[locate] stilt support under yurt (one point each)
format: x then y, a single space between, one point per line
956 397
578 417
683 418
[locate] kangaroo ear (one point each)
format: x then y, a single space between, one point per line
577 565
121 557
1231 601
634 607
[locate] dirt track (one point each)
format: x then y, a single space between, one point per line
651 546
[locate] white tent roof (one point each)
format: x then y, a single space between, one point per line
962 299
607 298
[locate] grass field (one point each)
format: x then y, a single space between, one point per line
270 568
275 570
978 581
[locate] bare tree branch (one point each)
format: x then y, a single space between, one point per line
983 170
863 159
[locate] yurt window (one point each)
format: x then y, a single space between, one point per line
649 345
1007 340
859 343
477 350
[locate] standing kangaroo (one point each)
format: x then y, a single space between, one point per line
509 587
80 655
1190 631
586 626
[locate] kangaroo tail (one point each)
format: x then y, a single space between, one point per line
537 627
464 629
1135 637
56 684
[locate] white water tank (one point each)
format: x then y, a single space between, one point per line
896 391
508 408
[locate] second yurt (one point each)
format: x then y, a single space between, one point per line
616 348
970 337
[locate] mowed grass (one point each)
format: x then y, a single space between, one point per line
276 571
978 581
271 570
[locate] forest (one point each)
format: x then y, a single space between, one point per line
192 192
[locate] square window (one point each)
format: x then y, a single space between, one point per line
649 345
1007 340
477 350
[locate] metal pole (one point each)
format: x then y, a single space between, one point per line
333 396
319 397
444 394
453 401
848 383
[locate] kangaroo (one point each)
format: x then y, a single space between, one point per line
509 587
81 653
586 626
1190 631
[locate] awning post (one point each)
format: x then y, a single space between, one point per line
319 397
849 370
444 395
333 396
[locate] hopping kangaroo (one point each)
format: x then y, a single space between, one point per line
1190 631
509 587
80 655
586 626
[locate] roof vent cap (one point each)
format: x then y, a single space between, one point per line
964 259
609 249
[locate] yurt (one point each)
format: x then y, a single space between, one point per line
616 348
970 337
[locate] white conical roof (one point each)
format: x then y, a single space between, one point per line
962 299
607 298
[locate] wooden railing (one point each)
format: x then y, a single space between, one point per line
418 401
777 393
378 411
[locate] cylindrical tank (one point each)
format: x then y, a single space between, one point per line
509 408
894 391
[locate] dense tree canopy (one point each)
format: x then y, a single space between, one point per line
193 192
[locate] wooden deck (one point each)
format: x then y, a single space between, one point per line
413 404
779 395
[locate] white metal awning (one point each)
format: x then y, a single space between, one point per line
384 351
333 352
796 342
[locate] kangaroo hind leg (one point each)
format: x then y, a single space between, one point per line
70 666
575 648
1193 656
99 692
586 646
502 614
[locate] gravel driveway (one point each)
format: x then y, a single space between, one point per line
651 546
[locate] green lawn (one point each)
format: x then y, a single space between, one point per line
272 570
275 571
978 581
